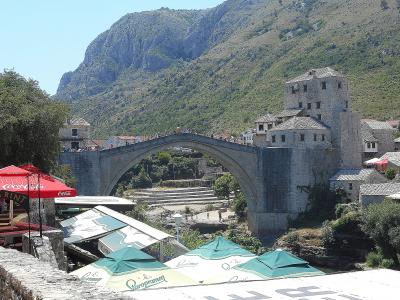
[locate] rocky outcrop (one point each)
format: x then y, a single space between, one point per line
150 41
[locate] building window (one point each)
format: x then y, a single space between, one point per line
293 90
318 105
300 104
75 145
261 127
373 145
308 105
368 145
319 117
350 186
273 139
305 88
74 132
315 137
269 126
324 85
283 138
323 137
347 104
302 137
339 85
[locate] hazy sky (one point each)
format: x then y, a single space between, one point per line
42 39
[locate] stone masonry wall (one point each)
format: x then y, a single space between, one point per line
23 277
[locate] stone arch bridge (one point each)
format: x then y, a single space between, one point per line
264 174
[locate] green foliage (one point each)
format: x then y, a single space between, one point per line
382 223
390 173
376 259
247 241
240 205
139 212
64 172
321 205
210 207
225 185
344 208
327 235
141 181
348 223
29 122
191 238
164 158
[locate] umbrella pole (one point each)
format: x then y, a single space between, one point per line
29 216
11 211
40 215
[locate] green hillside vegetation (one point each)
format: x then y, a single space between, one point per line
240 76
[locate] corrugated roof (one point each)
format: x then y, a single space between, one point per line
380 189
316 73
397 140
393 157
300 123
375 124
366 133
353 174
268 118
289 113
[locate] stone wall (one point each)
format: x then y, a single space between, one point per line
23 277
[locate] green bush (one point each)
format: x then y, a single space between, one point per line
164 158
382 223
374 259
327 235
141 181
348 223
390 173
240 205
344 208
209 207
247 241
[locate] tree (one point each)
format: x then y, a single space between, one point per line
29 122
64 172
223 186
141 181
382 223
164 158
240 205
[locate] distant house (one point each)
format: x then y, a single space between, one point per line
394 123
376 193
75 134
350 180
382 133
247 136
290 113
393 160
300 132
370 143
397 144
120 141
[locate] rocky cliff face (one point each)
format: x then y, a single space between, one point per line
149 41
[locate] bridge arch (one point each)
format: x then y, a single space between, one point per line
240 160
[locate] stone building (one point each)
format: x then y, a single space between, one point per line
263 125
324 96
75 134
383 135
376 193
300 132
393 160
397 144
370 143
350 180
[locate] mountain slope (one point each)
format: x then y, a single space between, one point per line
233 61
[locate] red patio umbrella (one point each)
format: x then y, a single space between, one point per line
14 179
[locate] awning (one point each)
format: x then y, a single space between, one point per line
102 221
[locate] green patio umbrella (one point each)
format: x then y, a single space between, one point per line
131 269
270 265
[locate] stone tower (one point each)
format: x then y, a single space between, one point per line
323 94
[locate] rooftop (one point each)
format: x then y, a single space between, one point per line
353 174
380 189
366 133
316 73
397 140
268 118
393 157
300 123
289 113
375 124
77 122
